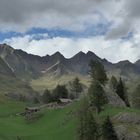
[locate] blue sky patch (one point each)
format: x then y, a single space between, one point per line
90 30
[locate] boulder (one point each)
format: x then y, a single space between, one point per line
114 99
127 118
127 126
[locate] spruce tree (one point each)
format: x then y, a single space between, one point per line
96 91
97 96
87 126
136 97
60 92
121 91
97 72
76 87
47 97
36 100
108 132
113 83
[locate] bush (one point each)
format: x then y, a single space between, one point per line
60 92
136 97
47 97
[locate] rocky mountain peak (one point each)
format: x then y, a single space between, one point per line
80 55
57 57
5 46
137 62
124 63
90 53
6 49
33 65
57 54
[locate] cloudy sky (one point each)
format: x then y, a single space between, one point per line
109 28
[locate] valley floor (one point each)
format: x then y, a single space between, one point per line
47 127
54 124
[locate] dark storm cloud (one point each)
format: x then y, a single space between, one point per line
30 13
121 30
118 18
20 10
133 8
130 18
69 14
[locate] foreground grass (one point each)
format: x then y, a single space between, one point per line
55 124
112 111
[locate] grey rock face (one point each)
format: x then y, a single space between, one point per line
114 99
128 118
127 126
124 134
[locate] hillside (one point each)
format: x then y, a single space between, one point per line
25 66
55 124
10 84
43 71
31 65
19 71
47 127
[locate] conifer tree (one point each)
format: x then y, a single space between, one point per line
121 91
136 97
108 132
76 87
97 96
36 100
60 92
47 97
97 72
113 83
87 126
96 91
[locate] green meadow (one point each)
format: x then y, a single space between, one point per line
53 124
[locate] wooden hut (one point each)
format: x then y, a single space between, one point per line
65 101
31 110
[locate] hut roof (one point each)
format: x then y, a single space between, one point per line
32 108
64 100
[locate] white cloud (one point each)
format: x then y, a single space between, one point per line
114 50
126 19
74 15
21 15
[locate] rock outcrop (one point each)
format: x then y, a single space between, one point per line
114 99
127 126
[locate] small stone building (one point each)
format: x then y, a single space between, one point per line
65 101
30 110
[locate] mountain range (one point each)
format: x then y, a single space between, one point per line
26 67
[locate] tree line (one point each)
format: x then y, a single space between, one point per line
89 125
61 91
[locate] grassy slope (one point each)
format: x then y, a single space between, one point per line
112 111
130 128
51 82
54 125
9 84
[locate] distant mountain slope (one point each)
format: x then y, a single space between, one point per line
80 62
24 65
127 68
137 63
5 69
27 66
10 84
